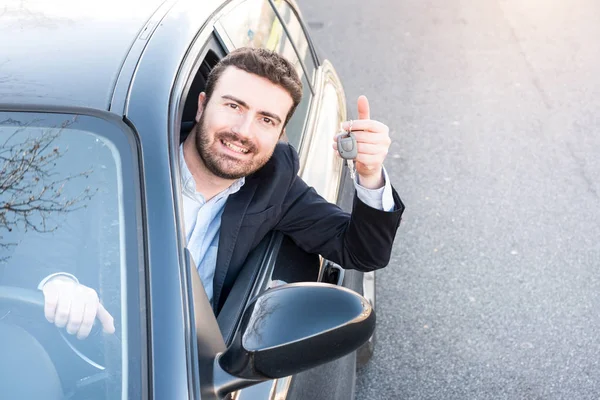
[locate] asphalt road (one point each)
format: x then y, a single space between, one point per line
494 108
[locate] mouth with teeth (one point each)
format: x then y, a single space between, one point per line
234 147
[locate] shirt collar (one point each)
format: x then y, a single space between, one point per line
189 184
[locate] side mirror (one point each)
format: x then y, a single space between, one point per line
292 328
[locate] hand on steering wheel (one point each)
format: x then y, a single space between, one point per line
70 304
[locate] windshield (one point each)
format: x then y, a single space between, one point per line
68 219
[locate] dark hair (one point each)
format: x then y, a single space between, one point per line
264 63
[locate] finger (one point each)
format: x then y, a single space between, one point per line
334 147
108 322
372 138
63 308
368 125
378 147
89 314
364 111
76 313
371 148
369 161
50 302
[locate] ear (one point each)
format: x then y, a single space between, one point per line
201 105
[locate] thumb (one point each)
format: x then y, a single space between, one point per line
108 322
364 111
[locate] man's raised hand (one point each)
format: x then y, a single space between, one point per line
373 141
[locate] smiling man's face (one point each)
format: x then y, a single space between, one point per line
240 125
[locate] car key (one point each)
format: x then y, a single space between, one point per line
346 144
348 149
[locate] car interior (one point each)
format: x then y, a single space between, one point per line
198 84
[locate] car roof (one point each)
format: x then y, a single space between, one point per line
69 52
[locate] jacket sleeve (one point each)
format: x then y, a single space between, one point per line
361 240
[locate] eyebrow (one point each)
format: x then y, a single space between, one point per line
244 104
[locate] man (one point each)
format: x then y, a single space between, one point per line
240 182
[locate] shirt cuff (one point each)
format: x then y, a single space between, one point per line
52 276
380 199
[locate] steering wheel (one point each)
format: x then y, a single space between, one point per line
34 299
11 294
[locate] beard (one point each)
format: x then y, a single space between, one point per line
223 165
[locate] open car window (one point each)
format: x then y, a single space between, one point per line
69 205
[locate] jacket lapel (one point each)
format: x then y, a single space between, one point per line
231 221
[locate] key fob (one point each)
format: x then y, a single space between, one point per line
346 145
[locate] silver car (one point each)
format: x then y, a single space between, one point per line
95 98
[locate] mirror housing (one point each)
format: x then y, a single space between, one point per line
292 328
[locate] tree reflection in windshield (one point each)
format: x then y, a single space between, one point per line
31 190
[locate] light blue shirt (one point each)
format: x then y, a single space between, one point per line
202 221
203 218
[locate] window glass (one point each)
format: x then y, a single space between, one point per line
295 127
323 166
297 35
254 23
64 209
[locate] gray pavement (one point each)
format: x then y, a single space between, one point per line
494 108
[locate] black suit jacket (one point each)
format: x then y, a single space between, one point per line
276 198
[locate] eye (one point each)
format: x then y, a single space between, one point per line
233 106
268 121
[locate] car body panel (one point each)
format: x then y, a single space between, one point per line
90 40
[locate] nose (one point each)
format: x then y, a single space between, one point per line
243 125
